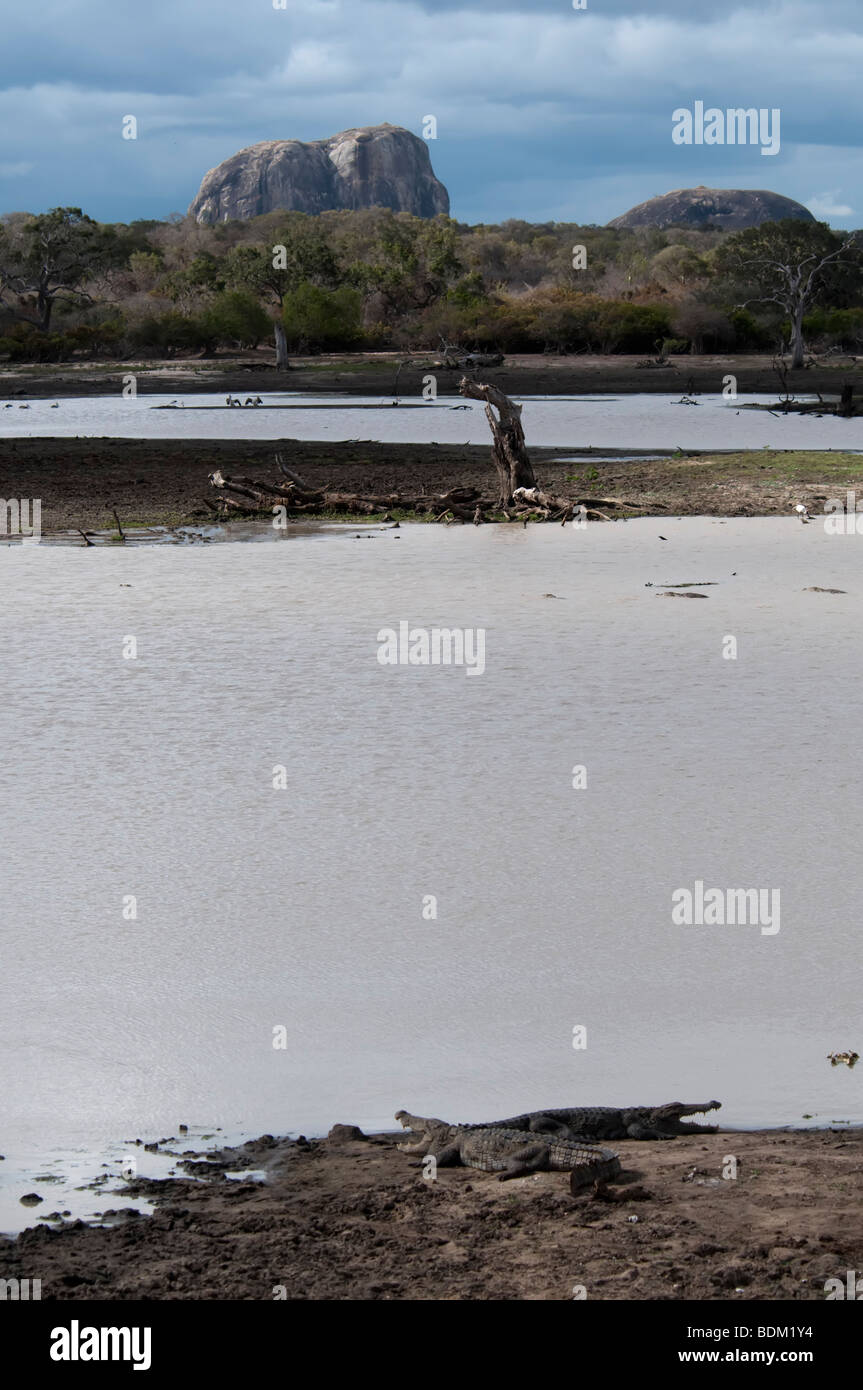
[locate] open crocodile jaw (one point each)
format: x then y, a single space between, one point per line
671 1114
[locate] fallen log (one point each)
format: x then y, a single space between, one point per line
519 497
535 497
251 487
254 497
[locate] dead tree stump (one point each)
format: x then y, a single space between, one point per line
508 452
282 363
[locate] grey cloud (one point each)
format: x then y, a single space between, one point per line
588 100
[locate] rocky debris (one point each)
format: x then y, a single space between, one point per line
729 208
341 1134
635 1193
369 166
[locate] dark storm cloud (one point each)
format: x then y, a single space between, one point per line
543 111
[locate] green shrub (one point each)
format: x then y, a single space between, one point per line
318 319
562 320
749 332
97 339
462 325
23 342
624 327
167 333
468 291
835 327
234 316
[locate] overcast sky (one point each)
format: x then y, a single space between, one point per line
544 112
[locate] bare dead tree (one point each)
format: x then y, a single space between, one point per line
790 264
786 395
282 363
508 451
524 500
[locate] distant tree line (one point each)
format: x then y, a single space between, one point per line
374 279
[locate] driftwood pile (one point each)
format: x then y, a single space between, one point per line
452 359
846 407
519 498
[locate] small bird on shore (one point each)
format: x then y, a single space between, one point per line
802 513
56 405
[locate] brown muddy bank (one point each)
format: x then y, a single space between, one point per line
82 481
378 374
354 1220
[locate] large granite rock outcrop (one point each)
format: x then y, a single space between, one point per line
382 165
728 208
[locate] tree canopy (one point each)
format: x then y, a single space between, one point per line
51 257
793 264
375 278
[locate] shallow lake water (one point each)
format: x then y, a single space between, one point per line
301 907
625 422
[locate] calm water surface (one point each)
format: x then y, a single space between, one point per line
301 908
627 422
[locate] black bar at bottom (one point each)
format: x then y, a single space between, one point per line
574 1340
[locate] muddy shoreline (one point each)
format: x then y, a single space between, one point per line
349 1218
165 482
380 374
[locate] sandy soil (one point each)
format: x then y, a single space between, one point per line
353 1219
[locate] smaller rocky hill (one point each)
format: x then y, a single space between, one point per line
729 208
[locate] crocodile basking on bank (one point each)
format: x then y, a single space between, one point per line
511 1153
591 1122
561 1139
